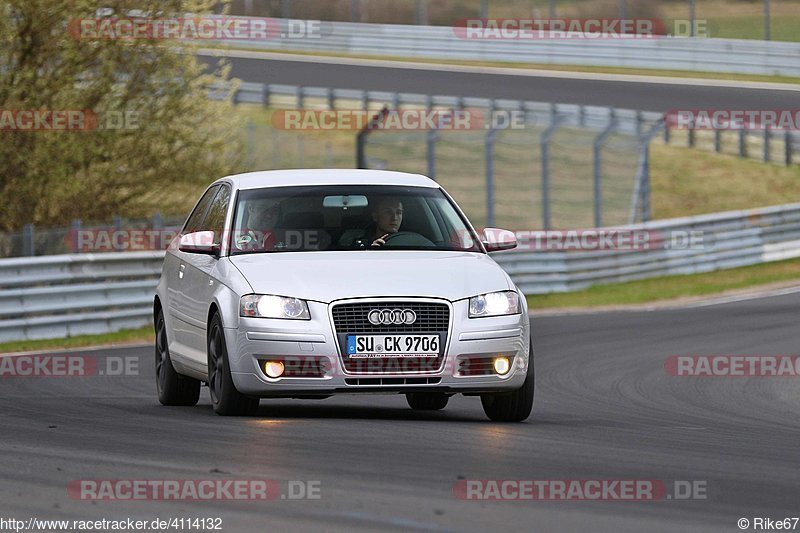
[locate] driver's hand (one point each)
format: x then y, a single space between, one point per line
379 241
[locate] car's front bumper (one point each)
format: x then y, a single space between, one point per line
257 339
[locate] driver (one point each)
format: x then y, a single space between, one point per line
387 217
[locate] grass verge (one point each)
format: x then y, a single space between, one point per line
671 287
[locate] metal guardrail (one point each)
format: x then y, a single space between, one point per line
729 240
66 295
440 42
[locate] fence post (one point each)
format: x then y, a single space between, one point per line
286 9
75 231
767 135
484 9
742 143
328 155
598 174
640 199
331 99
717 140
158 221
355 12
422 13
767 33
547 135
28 245
361 138
430 141
692 18
490 138
299 97
788 140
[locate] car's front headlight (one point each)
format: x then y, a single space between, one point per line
494 304
270 306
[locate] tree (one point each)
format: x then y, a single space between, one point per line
173 139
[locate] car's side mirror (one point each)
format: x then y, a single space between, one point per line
199 242
495 239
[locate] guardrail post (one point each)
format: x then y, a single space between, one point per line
396 101
717 140
666 135
490 138
265 90
742 143
767 135
692 139
117 223
598 173
299 97
158 221
365 100
28 245
788 139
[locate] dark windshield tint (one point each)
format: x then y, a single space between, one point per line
298 219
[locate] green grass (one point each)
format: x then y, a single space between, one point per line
671 287
126 336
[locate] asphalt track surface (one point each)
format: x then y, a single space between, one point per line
605 409
638 95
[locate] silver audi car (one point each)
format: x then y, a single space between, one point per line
310 283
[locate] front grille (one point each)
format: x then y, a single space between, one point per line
366 382
351 319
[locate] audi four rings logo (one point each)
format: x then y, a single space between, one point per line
391 316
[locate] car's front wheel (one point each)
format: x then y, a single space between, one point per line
173 388
225 399
513 406
427 401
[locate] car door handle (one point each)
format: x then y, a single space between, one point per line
182 269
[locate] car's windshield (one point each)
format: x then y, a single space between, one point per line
348 217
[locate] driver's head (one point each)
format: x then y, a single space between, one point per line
387 215
262 214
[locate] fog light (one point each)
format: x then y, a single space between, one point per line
502 365
273 369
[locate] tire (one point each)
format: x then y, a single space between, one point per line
225 399
173 388
513 406
427 401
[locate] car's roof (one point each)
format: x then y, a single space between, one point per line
285 178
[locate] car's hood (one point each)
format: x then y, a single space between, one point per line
328 276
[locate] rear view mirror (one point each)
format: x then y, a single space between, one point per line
199 242
495 239
345 201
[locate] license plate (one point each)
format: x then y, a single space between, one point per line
376 346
